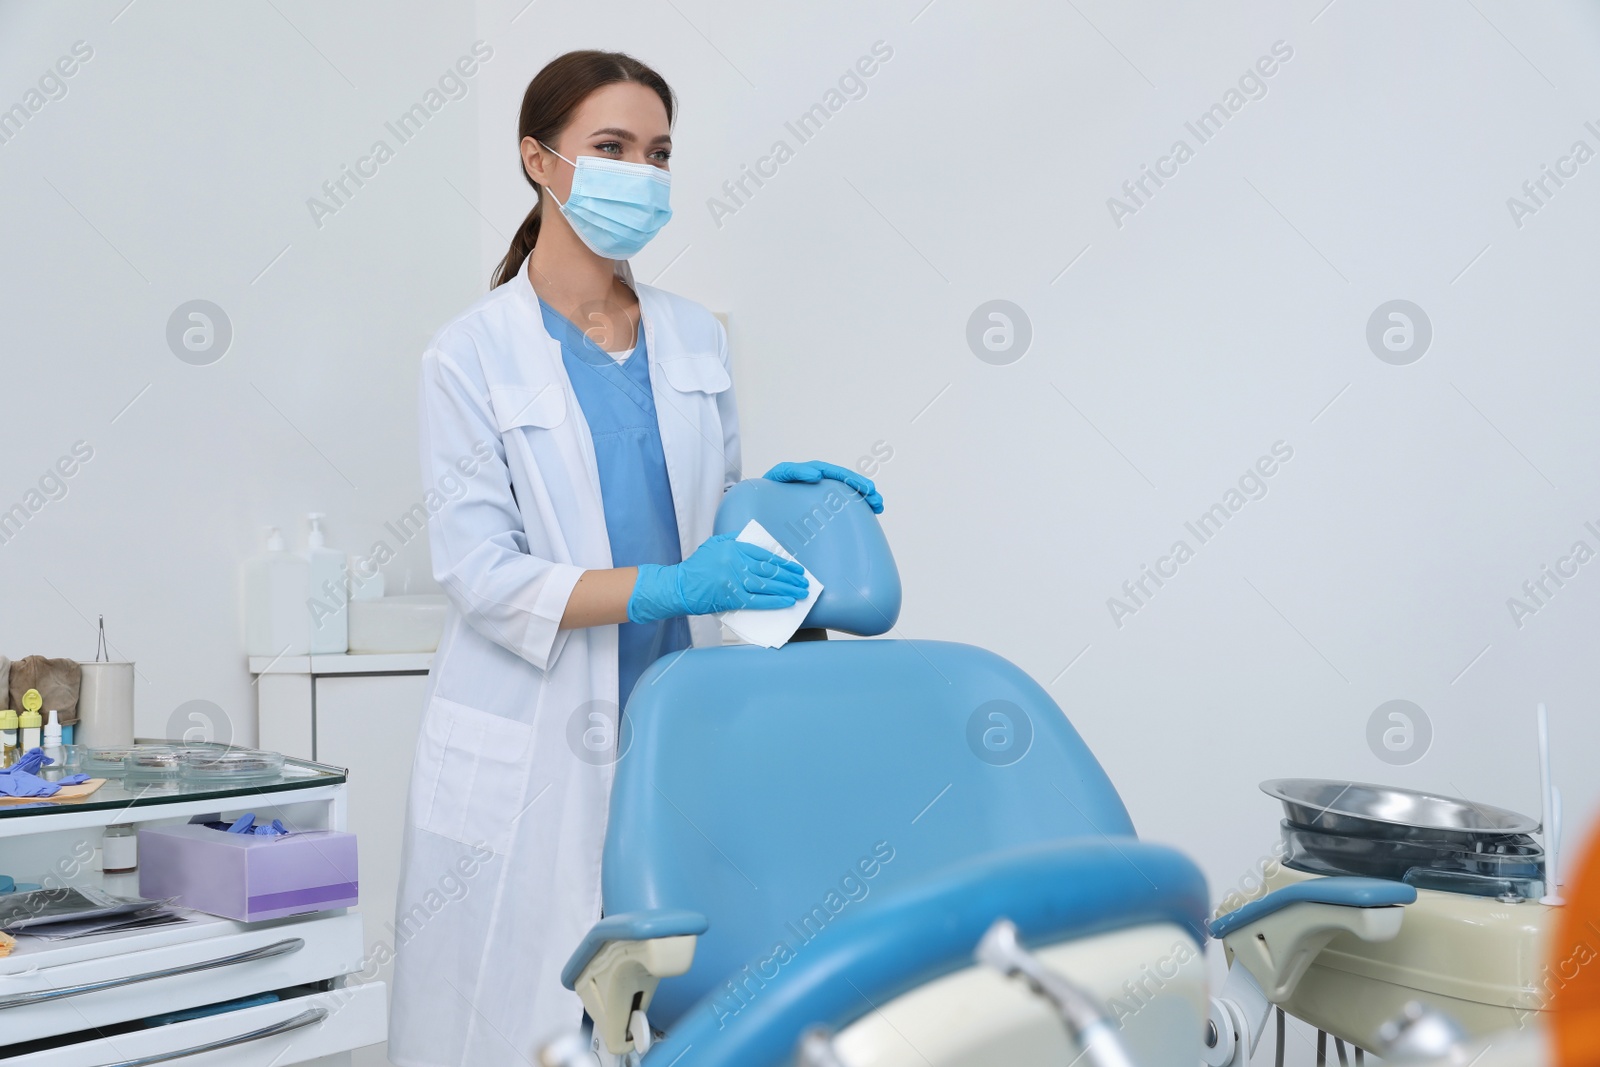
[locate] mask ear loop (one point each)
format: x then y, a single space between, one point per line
559 205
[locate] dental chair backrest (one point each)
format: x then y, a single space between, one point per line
773 789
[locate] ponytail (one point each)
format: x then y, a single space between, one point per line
548 105
521 244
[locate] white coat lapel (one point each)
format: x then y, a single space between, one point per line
685 383
535 395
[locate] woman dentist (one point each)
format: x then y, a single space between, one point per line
578 431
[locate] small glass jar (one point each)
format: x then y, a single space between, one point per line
72 757
119 849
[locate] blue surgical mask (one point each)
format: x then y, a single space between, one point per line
615 207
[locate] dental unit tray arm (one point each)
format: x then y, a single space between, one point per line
1272 941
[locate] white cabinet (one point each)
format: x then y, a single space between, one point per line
361 713
318 1029
86 1002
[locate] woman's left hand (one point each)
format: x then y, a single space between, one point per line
816 470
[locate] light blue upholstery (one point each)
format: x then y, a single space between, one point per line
850 816
759 780
1346 890
830 529
896 941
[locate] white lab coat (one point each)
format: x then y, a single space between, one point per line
507 810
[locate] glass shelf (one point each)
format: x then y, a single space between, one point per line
118 793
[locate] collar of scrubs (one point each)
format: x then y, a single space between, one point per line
579 343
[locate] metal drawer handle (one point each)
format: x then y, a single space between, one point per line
277 948
309 1017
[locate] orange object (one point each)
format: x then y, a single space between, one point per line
1574 967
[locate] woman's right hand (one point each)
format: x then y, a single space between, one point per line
723 574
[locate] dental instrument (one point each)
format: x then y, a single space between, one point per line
816 1049
1550 798
1086 1021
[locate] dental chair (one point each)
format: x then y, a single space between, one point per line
821 835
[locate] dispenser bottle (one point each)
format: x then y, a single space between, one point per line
29 722
328 599
8 738
275 583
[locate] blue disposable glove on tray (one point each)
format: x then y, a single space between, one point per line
722 574
246 824
816 470
20 779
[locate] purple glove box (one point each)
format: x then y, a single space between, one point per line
246 877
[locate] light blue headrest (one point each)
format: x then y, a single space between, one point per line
832 531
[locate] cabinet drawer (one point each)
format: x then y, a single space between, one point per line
272 1035
51 990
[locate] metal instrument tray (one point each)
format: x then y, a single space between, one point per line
1390 812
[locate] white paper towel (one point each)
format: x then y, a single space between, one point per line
772 627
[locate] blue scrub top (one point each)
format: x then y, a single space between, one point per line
620 408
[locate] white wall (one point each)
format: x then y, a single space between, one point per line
1223 316
1228 313
178 166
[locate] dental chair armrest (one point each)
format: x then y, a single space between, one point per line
1346 891
1277 938
630 926
617 967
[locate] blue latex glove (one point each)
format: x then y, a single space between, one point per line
15 783
29 762
817 470
246 824
20 779
721 575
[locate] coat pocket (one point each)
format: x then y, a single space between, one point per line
471 774
696 374
517 405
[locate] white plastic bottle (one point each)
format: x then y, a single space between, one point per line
52 748
52 736
275 618
328 597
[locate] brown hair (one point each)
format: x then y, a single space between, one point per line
552 96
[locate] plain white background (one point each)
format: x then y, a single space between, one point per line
1168 353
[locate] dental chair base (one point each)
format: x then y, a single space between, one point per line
1151 980
1479 961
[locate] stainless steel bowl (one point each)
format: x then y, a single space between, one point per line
1388 811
